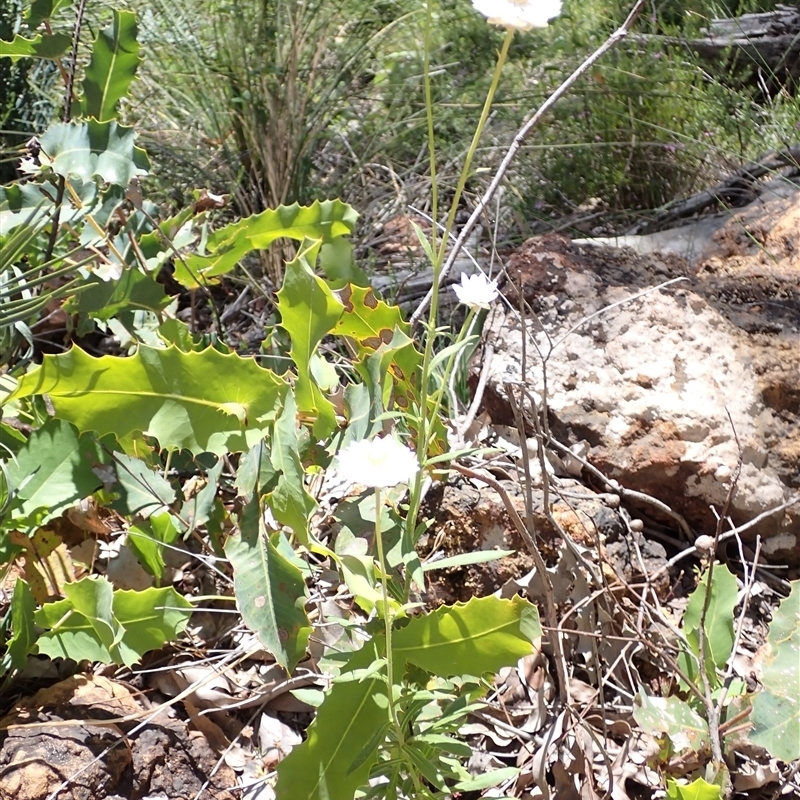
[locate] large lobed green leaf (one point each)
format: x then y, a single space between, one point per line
270 591
203 402
95 623
481 635
324 221
776 708
92 149
40 46
115 59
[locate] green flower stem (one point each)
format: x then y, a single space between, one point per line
426 71
388 620
462 334
462 180
438 259
387 615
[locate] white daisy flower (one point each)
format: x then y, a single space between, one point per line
378 463
476 291
521 15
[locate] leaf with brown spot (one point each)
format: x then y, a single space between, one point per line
270 590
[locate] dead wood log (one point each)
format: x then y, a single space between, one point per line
738 189
768 43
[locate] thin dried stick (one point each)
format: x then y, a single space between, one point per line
551 611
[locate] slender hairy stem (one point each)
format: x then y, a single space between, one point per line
462 179
387 614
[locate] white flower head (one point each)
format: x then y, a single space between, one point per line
522 15
378 462
476 291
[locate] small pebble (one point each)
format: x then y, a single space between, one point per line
636 525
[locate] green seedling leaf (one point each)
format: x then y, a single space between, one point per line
308 310
148 620
184 400
23 632
447 743
50 46
430 771
332 763
224 249
686 729
466 559
481 635
199 508
140 490
487 780
92 149
115 59
53 470
698 789
776 708
719 634
270 591
96 624
359 575
148 539
133 291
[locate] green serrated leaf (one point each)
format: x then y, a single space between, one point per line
96 624
23 632
338 264
148 619
42 10
115 59
50 46
53 470
141 490
270 591
92 149
367 320
319 768
133 291
324 221
309 311
686 729
776 708
181 399
481 635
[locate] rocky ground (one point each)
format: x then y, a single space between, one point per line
635 395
